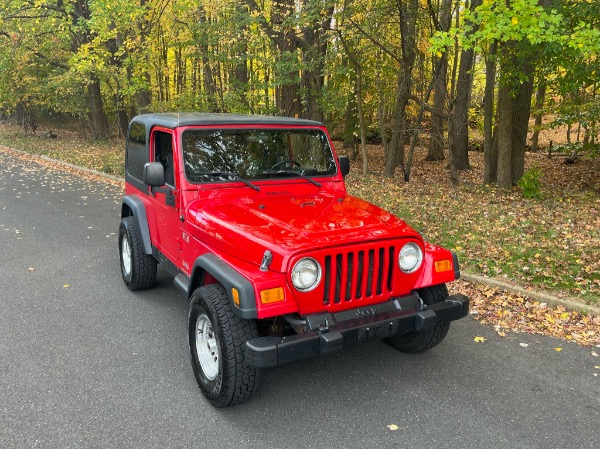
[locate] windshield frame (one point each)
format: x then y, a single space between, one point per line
301 176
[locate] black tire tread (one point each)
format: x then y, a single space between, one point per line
143 266
415 342
239 379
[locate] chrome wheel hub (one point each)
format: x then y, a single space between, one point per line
126 255
206 347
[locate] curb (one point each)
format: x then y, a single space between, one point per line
83 169
63 163
568 304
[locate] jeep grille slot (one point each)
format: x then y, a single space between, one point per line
354 275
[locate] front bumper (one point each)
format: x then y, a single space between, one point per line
333 332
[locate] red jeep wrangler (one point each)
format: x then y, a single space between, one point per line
251 216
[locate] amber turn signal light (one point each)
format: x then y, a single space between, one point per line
443 265
236 296
272 295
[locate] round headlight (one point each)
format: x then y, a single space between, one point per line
306 274
410 257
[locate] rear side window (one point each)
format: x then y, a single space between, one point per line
137 155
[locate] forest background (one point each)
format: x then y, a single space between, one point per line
409 88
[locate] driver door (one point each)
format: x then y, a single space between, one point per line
166 204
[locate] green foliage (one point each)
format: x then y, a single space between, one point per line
579 148
562 34
530 184
237 56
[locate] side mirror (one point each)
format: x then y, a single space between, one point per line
154 174
344 165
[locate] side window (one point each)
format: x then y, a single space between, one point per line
163 153
136 150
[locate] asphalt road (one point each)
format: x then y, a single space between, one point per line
85 363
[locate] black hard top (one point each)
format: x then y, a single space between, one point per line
175 119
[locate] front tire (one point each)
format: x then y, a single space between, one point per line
415 342
217 338
137 268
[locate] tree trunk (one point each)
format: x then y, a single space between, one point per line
361 120
489 149
520 125
350 124
123 119
97 116
436 141
415 135
80 16
461 109
143 96
381 114
514 108
408 10
314 49
539 104
287 82
25 116
359 103
396 154
208 81
505 141
461 104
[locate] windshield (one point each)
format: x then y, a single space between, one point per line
222 154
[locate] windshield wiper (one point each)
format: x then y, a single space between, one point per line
291 172
234 175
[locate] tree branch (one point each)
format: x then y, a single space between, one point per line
375 41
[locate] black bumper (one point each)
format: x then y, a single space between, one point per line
334 332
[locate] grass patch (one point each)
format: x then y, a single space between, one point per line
105 156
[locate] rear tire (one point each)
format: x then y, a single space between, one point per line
415 342
217 339
137 268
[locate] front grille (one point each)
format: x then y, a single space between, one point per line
355 275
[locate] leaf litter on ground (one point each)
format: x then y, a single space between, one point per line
509 313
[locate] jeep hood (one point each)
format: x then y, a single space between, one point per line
244 227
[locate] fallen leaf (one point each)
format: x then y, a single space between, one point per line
30 269
479 339
66 286
510 312
558 349
594 353
393 427
523 345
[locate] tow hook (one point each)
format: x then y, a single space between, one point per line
323 328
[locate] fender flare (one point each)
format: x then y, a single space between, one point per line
141 220
456 265
229 278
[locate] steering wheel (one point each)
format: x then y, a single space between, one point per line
287 161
